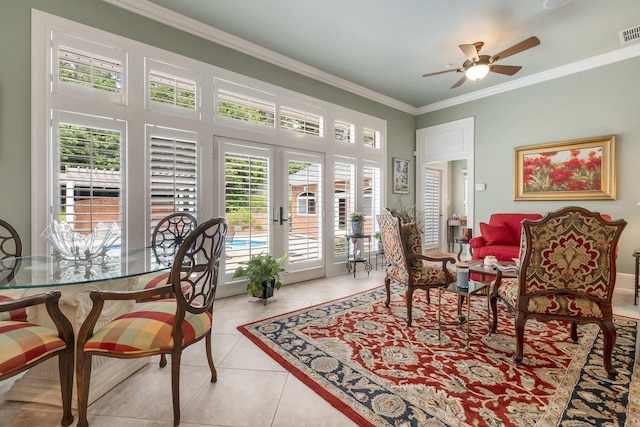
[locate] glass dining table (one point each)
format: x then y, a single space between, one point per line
118 269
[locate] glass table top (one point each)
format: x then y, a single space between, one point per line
41 271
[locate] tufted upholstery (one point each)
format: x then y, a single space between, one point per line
159 327
404 260
567 272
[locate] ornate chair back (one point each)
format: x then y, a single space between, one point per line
169 234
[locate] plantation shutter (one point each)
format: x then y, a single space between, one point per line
301 121
244 108
173 177
431 207
306 215
344 202
372 194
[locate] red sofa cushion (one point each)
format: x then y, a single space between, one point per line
496 234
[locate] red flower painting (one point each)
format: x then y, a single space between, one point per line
568 170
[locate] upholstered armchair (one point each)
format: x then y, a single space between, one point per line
405 262
24 345
566 271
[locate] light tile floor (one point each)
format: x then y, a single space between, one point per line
252 389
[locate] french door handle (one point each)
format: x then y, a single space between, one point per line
281 218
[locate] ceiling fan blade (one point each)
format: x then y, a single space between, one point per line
459 82
441 72
509 70
517 48
470 51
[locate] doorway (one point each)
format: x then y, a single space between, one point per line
441 147
273 200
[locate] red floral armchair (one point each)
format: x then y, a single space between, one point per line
405 263
567 271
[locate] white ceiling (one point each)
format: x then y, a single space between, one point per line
381 48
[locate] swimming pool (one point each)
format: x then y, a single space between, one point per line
240 243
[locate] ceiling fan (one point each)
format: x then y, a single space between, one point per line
477 66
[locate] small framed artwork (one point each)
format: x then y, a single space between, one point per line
583 169
400 176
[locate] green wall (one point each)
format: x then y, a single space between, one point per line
15 88
597 102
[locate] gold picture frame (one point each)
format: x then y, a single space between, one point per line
582 169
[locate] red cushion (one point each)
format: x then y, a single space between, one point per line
496 234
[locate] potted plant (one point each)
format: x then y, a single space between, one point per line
357 223
378 236
263 272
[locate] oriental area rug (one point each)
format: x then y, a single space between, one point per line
362 358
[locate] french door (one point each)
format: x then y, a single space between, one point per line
273 200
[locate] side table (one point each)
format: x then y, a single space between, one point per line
355 256
462 241
636 255
473 289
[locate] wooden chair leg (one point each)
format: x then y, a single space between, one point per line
609 332
212 367
521 319
387 287
65 366
574 332
409 298
83 379
163 360
494 314
175 385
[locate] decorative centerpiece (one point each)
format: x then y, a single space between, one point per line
77 246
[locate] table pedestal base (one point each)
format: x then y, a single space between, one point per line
41 383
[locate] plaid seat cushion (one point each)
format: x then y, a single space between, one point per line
22 343
152 280
147 329
558 304
9 295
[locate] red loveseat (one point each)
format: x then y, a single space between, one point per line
500 237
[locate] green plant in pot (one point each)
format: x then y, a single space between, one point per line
263 272
357 223
378 236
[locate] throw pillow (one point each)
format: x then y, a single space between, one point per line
496 234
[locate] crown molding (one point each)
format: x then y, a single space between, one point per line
207 32
565 70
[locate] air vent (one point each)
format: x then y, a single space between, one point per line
630 35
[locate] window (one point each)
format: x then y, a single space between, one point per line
301 122
89 178
344 131
307 204
244 108
431 207
371 138
173 173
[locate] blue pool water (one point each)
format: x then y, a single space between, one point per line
239 243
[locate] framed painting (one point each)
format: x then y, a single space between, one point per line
583 169
400 176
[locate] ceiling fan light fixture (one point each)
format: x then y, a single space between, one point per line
477 72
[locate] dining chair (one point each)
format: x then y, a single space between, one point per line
165 326
566 271
166 239
24 344
10 252
405 262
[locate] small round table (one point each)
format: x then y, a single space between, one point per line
461 241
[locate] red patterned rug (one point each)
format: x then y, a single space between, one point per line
362 358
